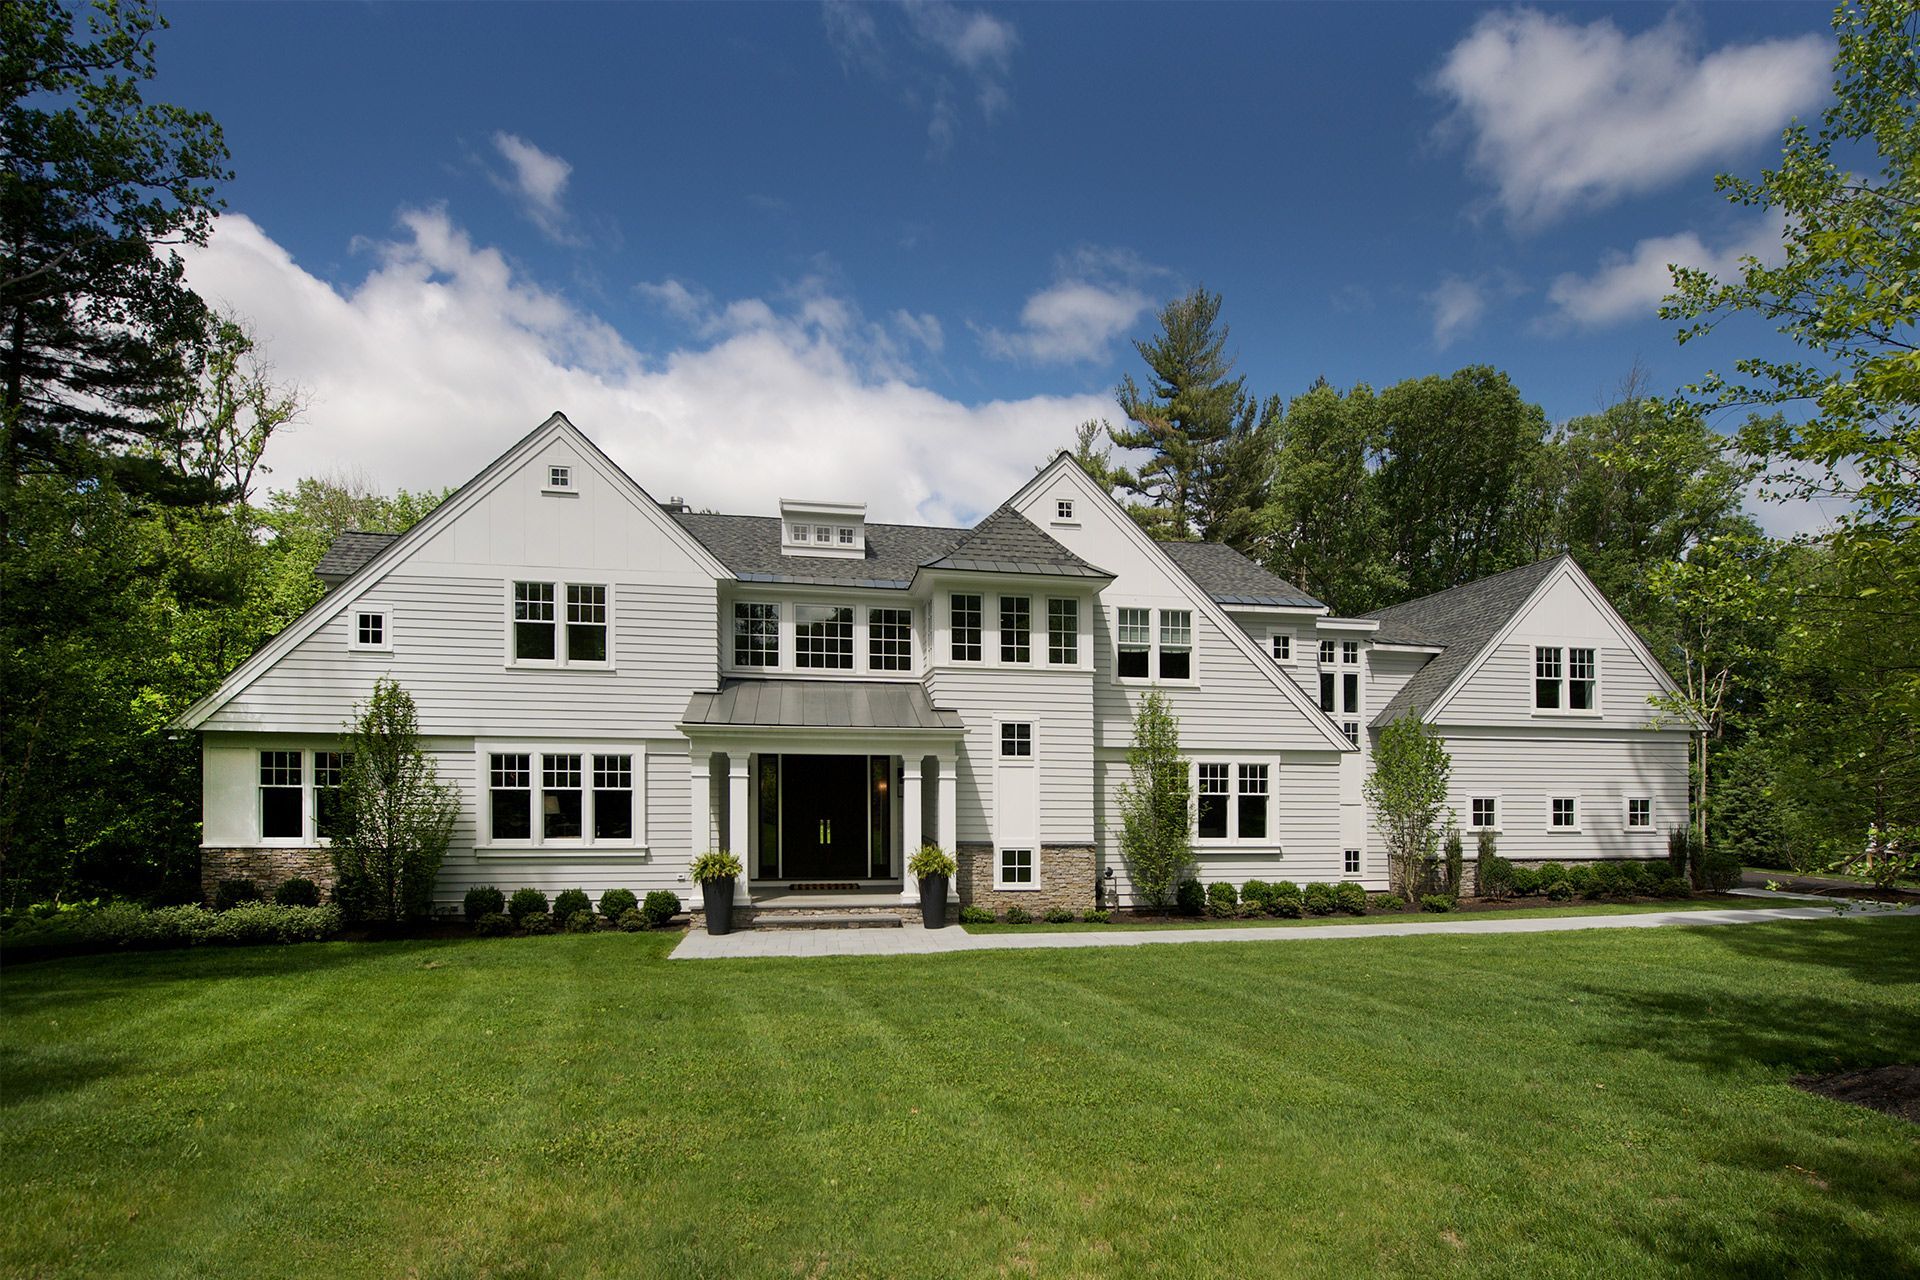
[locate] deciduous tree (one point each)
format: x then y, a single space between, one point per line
1156 805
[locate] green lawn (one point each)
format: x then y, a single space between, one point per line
1579 1104
1717 903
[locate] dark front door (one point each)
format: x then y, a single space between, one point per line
823 821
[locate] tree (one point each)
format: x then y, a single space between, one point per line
1156 805
95 318
230 407
1192 414
1322 523
396 817
1408 793
1848 289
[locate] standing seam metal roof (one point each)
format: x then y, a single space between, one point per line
819 704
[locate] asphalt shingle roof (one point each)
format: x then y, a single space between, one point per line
349 553
820 704
750 547
1232 579
1464 620
1008 542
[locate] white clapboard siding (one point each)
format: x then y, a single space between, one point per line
1388 673
1059 706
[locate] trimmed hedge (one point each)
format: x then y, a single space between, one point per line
495 924
661 906
1437 902
1190 899
1223 900
1287 901
126 925
1349 897
1097 916
570 902
615 903
1319 899
1019 915
526 902
1389 902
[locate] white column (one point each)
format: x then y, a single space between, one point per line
737 841
910 829
699 813
948 816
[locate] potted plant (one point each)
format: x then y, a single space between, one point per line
933 867
715 871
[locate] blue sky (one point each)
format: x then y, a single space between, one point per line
895 253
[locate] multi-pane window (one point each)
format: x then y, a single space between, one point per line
1212 800
1546 678
370 630
1565 813
964 623
1016 629
533 624
1176 644
1134 634
1352 729
510 795
1639 812
823 533
1483 813
329 772
1326 691
1063 632
282 796
756 634
1253 802
1016 739
823 637
1350 862
559 477
561 804
1326 653
1063 509
613 797
1582 680
799 532
1350 692
586 623
1350 652
890 639
1016 866
1282 642
846 535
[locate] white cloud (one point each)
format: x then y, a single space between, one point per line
1458 303
539 180
1630 286
440 356
934 54
1560 115
1099 294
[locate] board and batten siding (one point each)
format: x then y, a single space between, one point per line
1059 706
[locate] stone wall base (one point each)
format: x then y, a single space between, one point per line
1065 876
266 868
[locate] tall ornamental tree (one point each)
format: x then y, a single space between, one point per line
395 818
1322 523
1407 792
1156 805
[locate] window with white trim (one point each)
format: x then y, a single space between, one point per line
964 622
890 639
1063 509
559 477
1350 862
370 629
539 637
613 797
846 535
1133 633
1639 813
1153 644
1233 800
1016 739
1016 629
283 796
1563 813
329 773
1063 632
1250 803
1583 680
1350 652
1350 692
1016 866
1483 813
1326 653
586 622
799 532
756 634
1281 645
1176 644
533 625
510 795
1352 729
1547 678
823 533
562 800
1211 808
583 797
823 637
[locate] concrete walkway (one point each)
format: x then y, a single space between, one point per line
912 939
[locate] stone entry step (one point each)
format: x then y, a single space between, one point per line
822 920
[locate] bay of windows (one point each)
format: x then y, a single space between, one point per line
890 639
300 794
1016 629
582 798
964 623
1063 632
823 637
329 773
756 634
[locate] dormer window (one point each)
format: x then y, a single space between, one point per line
826 529
800 532
846 535
822 533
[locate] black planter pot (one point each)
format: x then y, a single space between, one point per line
717 897
933 901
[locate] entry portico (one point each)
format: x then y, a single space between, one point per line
823 783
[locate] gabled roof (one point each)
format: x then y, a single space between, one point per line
819 704
1008 542
351 550
1232 579
1464 621
750 548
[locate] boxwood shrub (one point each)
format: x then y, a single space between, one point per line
1190 899
1389 902
631 921
1319 899
1436 902
1096 916
1223 900
484 900
1550 872
526 902
1560 890
1526 881
578 922
536 922
127 925
570 902
975 915
297 891
1257 894
1058 915
1019 915
494 924
1673 887
1286 899
1349 897
661 906
231 893
615 903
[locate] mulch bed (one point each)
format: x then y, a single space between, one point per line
1894 1090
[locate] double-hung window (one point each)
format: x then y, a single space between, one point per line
1176 644
562 806
1569 685
756 634
1329 678
1016 629
1547 675
1063 632
963 622
538 633
283 796
329 773
1212 806
1149 646
1133 634
1251 806
510 795
533 624
823 637
1583 680
1232 800
890 639
583 797
586 622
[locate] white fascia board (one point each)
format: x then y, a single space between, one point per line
1364 625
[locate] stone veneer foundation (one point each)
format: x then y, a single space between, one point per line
1065 877
265 867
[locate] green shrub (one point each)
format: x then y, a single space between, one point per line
526 902
536 922
1560 890
615 903
231 893
1349 897
1287 901
1190 899
1526 881
264 922
1680 853
1720 870
1319 899
1673 887
661 906
631 921
1223 900
570 902
1580 876
297 891
1495 877
1096 916
1019 915
578 922
1456 863
1440 903
1604 881
494 924
1257 894
1058 915
1639 876
1389 902
1550 872
975 915
485 900
129 926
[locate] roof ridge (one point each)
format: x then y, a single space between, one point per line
1464 586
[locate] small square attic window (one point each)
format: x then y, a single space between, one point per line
559 478
1063 509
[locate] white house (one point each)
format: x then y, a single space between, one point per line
615 684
